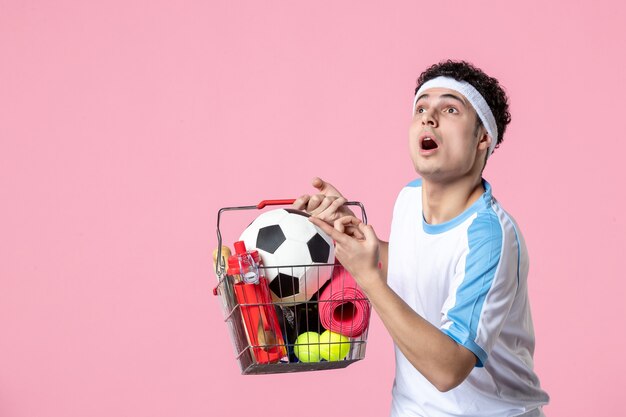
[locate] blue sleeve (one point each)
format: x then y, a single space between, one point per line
480 289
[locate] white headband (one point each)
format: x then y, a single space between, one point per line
473 96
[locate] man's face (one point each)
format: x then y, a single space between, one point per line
443 140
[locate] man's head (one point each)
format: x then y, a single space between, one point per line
488 87
460 115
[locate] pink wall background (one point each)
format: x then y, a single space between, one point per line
126 125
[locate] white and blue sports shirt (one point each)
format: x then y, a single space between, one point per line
466 276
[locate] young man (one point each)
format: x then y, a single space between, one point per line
452 288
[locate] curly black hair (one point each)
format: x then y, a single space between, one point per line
487 86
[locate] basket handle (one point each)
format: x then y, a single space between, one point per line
264 203
220 269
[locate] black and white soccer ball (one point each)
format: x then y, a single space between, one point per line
292 249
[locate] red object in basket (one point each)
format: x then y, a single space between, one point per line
255 300
343 308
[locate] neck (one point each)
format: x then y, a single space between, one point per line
442 202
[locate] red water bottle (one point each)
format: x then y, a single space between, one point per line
255 300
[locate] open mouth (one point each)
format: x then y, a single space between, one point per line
428 144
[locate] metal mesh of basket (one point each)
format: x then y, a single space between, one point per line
327 331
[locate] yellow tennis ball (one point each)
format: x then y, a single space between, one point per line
307 347
334 346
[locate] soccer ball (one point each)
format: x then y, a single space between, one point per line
291 247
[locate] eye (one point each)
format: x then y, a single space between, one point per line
451 110
420 110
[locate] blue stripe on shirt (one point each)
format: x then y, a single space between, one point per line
481 263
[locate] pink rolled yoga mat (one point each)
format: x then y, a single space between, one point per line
343 307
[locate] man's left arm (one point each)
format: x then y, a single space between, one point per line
434 354
441 360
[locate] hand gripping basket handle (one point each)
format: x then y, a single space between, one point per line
220 268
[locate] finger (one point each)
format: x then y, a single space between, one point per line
314 202
342 222
349 221
349 226
301 202
326 202
368 231
336 235
324 187
339 226
335 204
354 232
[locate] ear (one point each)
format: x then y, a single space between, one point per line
484 142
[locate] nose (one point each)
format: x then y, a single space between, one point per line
429 119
